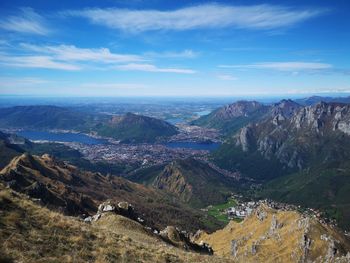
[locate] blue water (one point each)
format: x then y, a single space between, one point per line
193 145
175 120
60 137
202 113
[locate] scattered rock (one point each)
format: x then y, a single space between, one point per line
261 214
234 248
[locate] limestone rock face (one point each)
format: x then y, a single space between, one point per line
239 109
245 138
290 131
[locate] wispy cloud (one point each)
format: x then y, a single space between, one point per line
283 66
153 68
69 57
27 21
261 17
187 53
21 82
226 77
73 53
45 62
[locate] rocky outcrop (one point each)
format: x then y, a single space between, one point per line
272 235
121 208
171 234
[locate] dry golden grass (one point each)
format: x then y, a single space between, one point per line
282 245
31 233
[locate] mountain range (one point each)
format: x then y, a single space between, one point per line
300 154
127 128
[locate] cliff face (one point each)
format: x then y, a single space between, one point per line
270 235
239 109
291 134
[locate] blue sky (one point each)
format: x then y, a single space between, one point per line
174 48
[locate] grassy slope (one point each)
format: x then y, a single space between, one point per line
30 233
281 246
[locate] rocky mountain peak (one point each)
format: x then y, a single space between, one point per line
324 116
286 108
239 109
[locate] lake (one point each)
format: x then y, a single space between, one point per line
193 145
202 113
175 120
60 137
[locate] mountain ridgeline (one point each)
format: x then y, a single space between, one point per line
230 118
68 189
192 181
127 128
304 150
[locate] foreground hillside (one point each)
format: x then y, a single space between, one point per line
31 233
270 235
66 188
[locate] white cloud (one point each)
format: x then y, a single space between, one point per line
293 66
36 62
201 16
27 21
73 53
153 68
69 57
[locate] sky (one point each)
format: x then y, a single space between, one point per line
174 48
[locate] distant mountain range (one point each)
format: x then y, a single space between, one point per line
315 99
127 128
